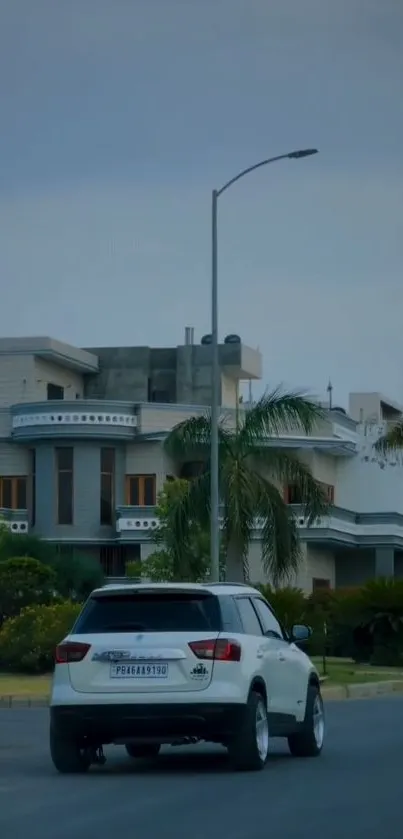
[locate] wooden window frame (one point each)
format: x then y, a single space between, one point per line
327 488
59 472
141 478
14 491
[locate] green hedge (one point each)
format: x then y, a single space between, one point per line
28 641
363 623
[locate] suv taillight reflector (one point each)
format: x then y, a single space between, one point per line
71 651
222 649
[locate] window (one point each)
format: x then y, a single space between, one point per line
64 467
113 559
270 624
33 487
293 495
251 625
156 612
107 486
328 489
319 582
141 490
54 391
13 493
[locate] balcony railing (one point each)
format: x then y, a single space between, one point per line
82 418
17 521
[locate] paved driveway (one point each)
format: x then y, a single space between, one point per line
352 792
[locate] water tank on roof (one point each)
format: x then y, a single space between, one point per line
232 339
340 410
207 339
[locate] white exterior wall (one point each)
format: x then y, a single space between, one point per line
363 486
47 372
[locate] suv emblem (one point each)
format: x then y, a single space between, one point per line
111 655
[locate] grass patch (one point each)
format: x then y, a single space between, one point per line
345 673
35 687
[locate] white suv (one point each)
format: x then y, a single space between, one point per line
146 665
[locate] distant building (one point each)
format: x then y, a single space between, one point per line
82 460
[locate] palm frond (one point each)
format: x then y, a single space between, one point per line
238 492
279 412
391 441
287 469
281 549
193 436
194 506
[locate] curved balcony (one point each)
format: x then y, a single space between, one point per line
82 418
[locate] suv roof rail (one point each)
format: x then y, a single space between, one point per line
247 585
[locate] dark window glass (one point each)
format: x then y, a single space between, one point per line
113 559
108 460
65 497
106 511
150 613
7 493
33 487
270 624
249 617
54 391
319 582
21 493
65 459
149 491
294 495
134 492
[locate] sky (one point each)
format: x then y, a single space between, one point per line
119 117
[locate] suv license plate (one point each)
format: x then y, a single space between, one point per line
139 671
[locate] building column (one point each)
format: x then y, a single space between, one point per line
385 562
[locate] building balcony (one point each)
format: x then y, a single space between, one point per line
17 521
136 524
81 418
339 527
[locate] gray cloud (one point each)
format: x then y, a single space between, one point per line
120 117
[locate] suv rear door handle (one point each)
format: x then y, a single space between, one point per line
281 656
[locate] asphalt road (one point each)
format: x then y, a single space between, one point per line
353 791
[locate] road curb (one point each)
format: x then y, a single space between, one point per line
24 702
362 690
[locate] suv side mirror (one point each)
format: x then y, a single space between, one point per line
300 633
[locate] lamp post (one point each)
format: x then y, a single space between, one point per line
215 369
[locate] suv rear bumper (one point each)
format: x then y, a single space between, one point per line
147 723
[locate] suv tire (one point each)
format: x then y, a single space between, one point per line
145 750
248 749
67 756
308 742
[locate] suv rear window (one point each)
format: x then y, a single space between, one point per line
149 612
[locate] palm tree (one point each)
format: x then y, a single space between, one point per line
392 440
253 471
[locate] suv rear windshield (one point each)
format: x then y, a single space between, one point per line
150 612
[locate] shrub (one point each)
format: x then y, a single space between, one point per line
28 641
76 574
288 603
24 581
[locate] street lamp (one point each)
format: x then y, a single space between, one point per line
215 370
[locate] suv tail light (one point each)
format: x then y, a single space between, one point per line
222 649
71 651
